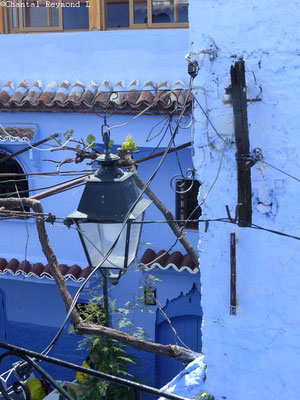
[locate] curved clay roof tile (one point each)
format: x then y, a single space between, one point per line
74 270
34 93
76 92
62 93
25 266
7 92
47 270
20 92
89 94
48 94
64 269
13 264
85 272
103 93
148 256
162 257
37 269
188 262
176 260
40 270
3 264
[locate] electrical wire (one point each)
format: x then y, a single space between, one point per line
8 194
160 98
280 170
208 119
149 138
52 343
179 221
166 126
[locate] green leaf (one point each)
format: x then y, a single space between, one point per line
90 139
73 393
129 144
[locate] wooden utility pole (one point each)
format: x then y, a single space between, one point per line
239 103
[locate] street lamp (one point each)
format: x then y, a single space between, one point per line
109 199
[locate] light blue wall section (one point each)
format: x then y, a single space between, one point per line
113 55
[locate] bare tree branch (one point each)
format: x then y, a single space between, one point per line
126 156
177 352
171 220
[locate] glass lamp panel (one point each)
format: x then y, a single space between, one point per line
135 233
98 239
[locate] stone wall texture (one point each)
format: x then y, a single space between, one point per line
255 354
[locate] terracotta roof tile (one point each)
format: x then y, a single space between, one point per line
39 270
16 133
164 260
62 92
47 95
34 93
20 93
6 92
119 97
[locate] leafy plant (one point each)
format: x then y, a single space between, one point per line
108 355
105 355
129 144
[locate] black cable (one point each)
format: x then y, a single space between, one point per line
280 170
52 343
166 126
149 139
208 119
8 194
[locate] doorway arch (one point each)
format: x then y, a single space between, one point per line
185 314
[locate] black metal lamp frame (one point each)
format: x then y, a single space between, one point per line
108 198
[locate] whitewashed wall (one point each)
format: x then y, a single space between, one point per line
254 354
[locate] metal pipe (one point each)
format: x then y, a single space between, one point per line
101 375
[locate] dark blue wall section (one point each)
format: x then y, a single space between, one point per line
37 337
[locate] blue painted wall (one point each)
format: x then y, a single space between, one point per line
130 54
62 204
34 308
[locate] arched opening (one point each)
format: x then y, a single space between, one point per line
12 185
185 315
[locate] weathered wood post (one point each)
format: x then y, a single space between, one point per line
239 103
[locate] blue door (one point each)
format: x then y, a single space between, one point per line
185 315
3 328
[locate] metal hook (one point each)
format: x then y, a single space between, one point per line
105 136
